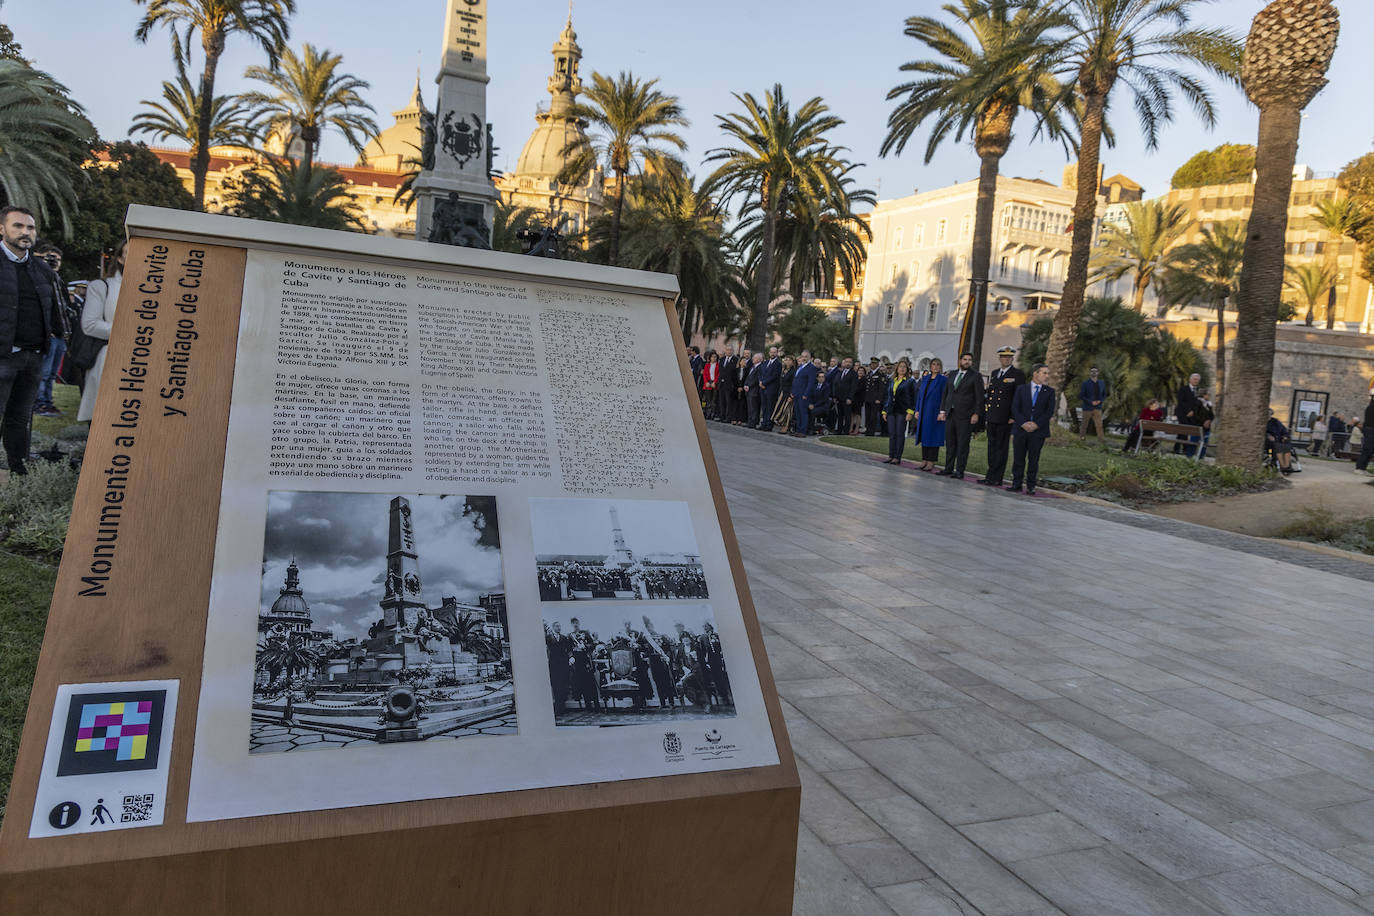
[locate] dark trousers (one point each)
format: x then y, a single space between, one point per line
999 439
958 434
753 399
1338 442
723 402
873 418
1025 462
767 404
801 412
1366 451
20 374
896 435
845 417
930 453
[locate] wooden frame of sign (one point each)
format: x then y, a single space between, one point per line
722 841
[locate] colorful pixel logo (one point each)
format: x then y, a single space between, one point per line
112 732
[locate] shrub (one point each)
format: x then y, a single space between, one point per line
1319 525
1161 479
35 509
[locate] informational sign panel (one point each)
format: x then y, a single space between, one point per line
487 491
380 548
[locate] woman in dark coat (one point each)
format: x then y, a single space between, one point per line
930 429
898 407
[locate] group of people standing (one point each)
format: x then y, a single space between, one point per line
666 672
946 408
938 409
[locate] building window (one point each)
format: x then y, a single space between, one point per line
935 273
963 265
914 272
1039 269
910 316
919 238
892 274
932 314
897 239
941 231
891 311
966 227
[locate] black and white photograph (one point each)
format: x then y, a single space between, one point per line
621 666
616 549
382 619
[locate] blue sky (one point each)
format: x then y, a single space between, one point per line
848 54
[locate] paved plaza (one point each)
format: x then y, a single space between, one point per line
1006 706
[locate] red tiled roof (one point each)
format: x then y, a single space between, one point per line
361 176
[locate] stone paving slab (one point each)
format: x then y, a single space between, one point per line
1011 706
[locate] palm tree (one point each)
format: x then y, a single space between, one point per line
1140 247
812 245
782 159
265 21
177 117
1210 269
291 192
466 631
507 222
44 136
1345 219
1142 44
1286 58
1311 282
309 93
672 227
291 654
981 87
630 122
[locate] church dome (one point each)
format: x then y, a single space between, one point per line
543 156
291 601
402 140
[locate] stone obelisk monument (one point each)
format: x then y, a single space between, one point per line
454 196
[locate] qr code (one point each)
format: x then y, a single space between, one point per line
137 808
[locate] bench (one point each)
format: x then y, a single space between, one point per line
1180 433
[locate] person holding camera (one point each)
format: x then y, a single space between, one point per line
57 346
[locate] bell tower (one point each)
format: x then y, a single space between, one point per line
566 82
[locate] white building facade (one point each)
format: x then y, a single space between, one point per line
917 283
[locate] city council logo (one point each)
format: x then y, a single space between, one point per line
672 744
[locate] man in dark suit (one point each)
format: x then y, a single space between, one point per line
753 391
1188 410
697 363
1032 409
845 390
803 388
875 392
1092 395
1002 385
746 360
959 412
725 386
770 377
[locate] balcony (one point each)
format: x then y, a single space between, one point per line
1059 241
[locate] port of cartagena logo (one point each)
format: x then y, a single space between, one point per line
713 737
672 745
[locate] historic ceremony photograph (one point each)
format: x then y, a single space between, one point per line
609 666
354 647
607 549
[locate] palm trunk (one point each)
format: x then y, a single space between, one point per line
1261 283
1331 306
1220 396
615 217
1084 216
975 318
200 165
1141 284
310 135
758 330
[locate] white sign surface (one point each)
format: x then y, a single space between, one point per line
467 544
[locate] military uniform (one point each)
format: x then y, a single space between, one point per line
1002 384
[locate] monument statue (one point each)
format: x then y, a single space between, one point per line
455 198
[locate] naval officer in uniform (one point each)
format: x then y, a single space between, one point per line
1002 384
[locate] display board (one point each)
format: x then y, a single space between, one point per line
376 536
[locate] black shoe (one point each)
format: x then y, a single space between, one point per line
1014 488
957 476
944 473
987 483
1030 491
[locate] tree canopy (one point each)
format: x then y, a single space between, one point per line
805 327
1357 180
129 174
1230 163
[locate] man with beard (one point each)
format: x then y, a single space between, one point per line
1002 385
769 378
959 410
844 390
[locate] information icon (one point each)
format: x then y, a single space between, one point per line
64 815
